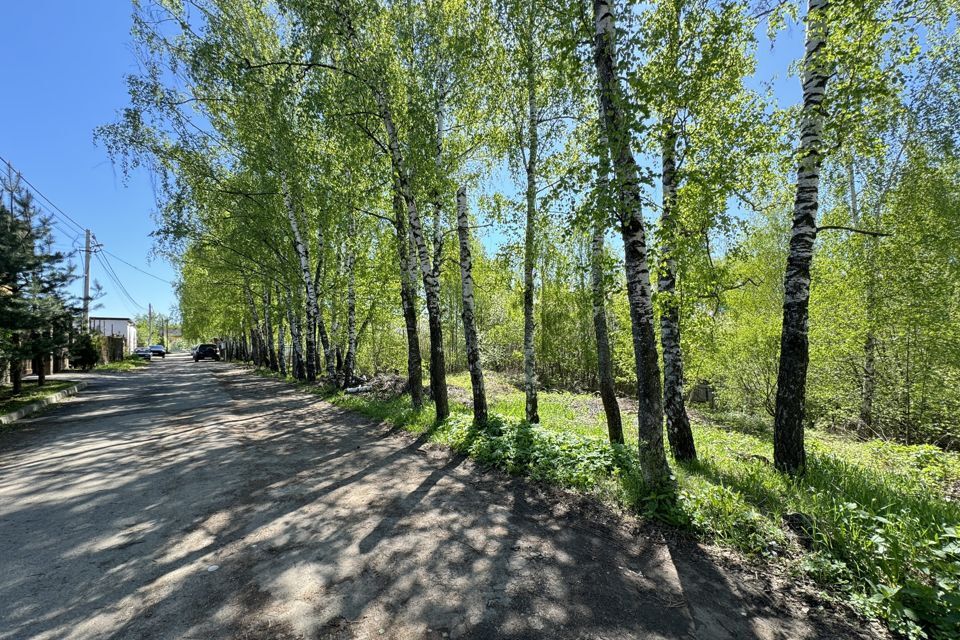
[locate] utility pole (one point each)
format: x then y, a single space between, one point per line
86 285
149 323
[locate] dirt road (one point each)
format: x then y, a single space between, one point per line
194 500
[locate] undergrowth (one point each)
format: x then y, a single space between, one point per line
129 363
868 520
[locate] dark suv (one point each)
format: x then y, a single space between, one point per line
202 351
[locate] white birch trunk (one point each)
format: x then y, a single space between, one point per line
296 338
679 433
608 392
281 342
531 408
868 383
469 322
304 259
328 353
256 331
788 446
351 357
408 300
616 126
268 331
431 285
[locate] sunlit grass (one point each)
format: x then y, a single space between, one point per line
31 393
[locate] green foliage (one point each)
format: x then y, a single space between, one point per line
36 312
85 351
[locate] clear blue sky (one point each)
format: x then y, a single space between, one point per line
64 76
64 68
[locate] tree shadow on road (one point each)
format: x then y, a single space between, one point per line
320 524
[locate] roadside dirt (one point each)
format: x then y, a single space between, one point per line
254 510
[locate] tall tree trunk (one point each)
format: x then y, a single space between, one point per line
42 369
351 358
679 433
469 324
256 331
431 285
408 300
653 459
608 392
268 331
529 326
293 319
281 343
16 368
304 259
788 448
328 354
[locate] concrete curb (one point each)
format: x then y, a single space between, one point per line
33 407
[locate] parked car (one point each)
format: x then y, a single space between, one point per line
206 350
158 350
143 352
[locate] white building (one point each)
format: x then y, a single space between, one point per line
117 328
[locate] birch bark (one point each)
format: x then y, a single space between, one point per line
328 354
529 326
469 322
351 357
608 392
653 460
281 343
256 334
296 338
304 259
679 433
788 446
268 332
408 301
431 284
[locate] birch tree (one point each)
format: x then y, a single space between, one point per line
860 49
615 119
469 321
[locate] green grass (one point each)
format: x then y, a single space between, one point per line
130 363
868 521
31 393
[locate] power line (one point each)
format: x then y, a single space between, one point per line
133 266
123 300
108 269
106 263
64 217
40 193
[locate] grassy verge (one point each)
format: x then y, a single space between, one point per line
31 393
869 520
130 363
